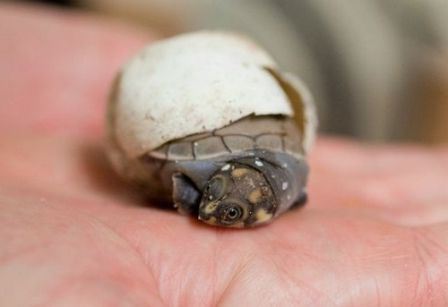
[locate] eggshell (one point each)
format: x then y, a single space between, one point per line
198 82
189 84
309 118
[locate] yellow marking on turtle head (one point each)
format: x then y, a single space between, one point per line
255 196
210 207
239 172
211 221
263 216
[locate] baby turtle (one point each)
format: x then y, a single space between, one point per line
211 146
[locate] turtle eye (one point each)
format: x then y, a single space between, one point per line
231 214
216 187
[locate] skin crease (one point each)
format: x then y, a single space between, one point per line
374 233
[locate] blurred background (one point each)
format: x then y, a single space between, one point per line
377 68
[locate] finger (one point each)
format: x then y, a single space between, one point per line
56 68
405 184
65 167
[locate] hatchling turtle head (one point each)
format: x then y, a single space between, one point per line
237 196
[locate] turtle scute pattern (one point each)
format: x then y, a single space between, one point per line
274 133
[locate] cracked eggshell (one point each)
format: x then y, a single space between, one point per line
189 84
306 117
195 83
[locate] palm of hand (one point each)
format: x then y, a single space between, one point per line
373 233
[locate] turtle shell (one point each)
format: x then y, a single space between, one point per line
273 133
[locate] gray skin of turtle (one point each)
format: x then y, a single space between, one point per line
242 175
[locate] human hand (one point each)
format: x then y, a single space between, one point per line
375 231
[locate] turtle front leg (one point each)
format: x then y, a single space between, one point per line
186 196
